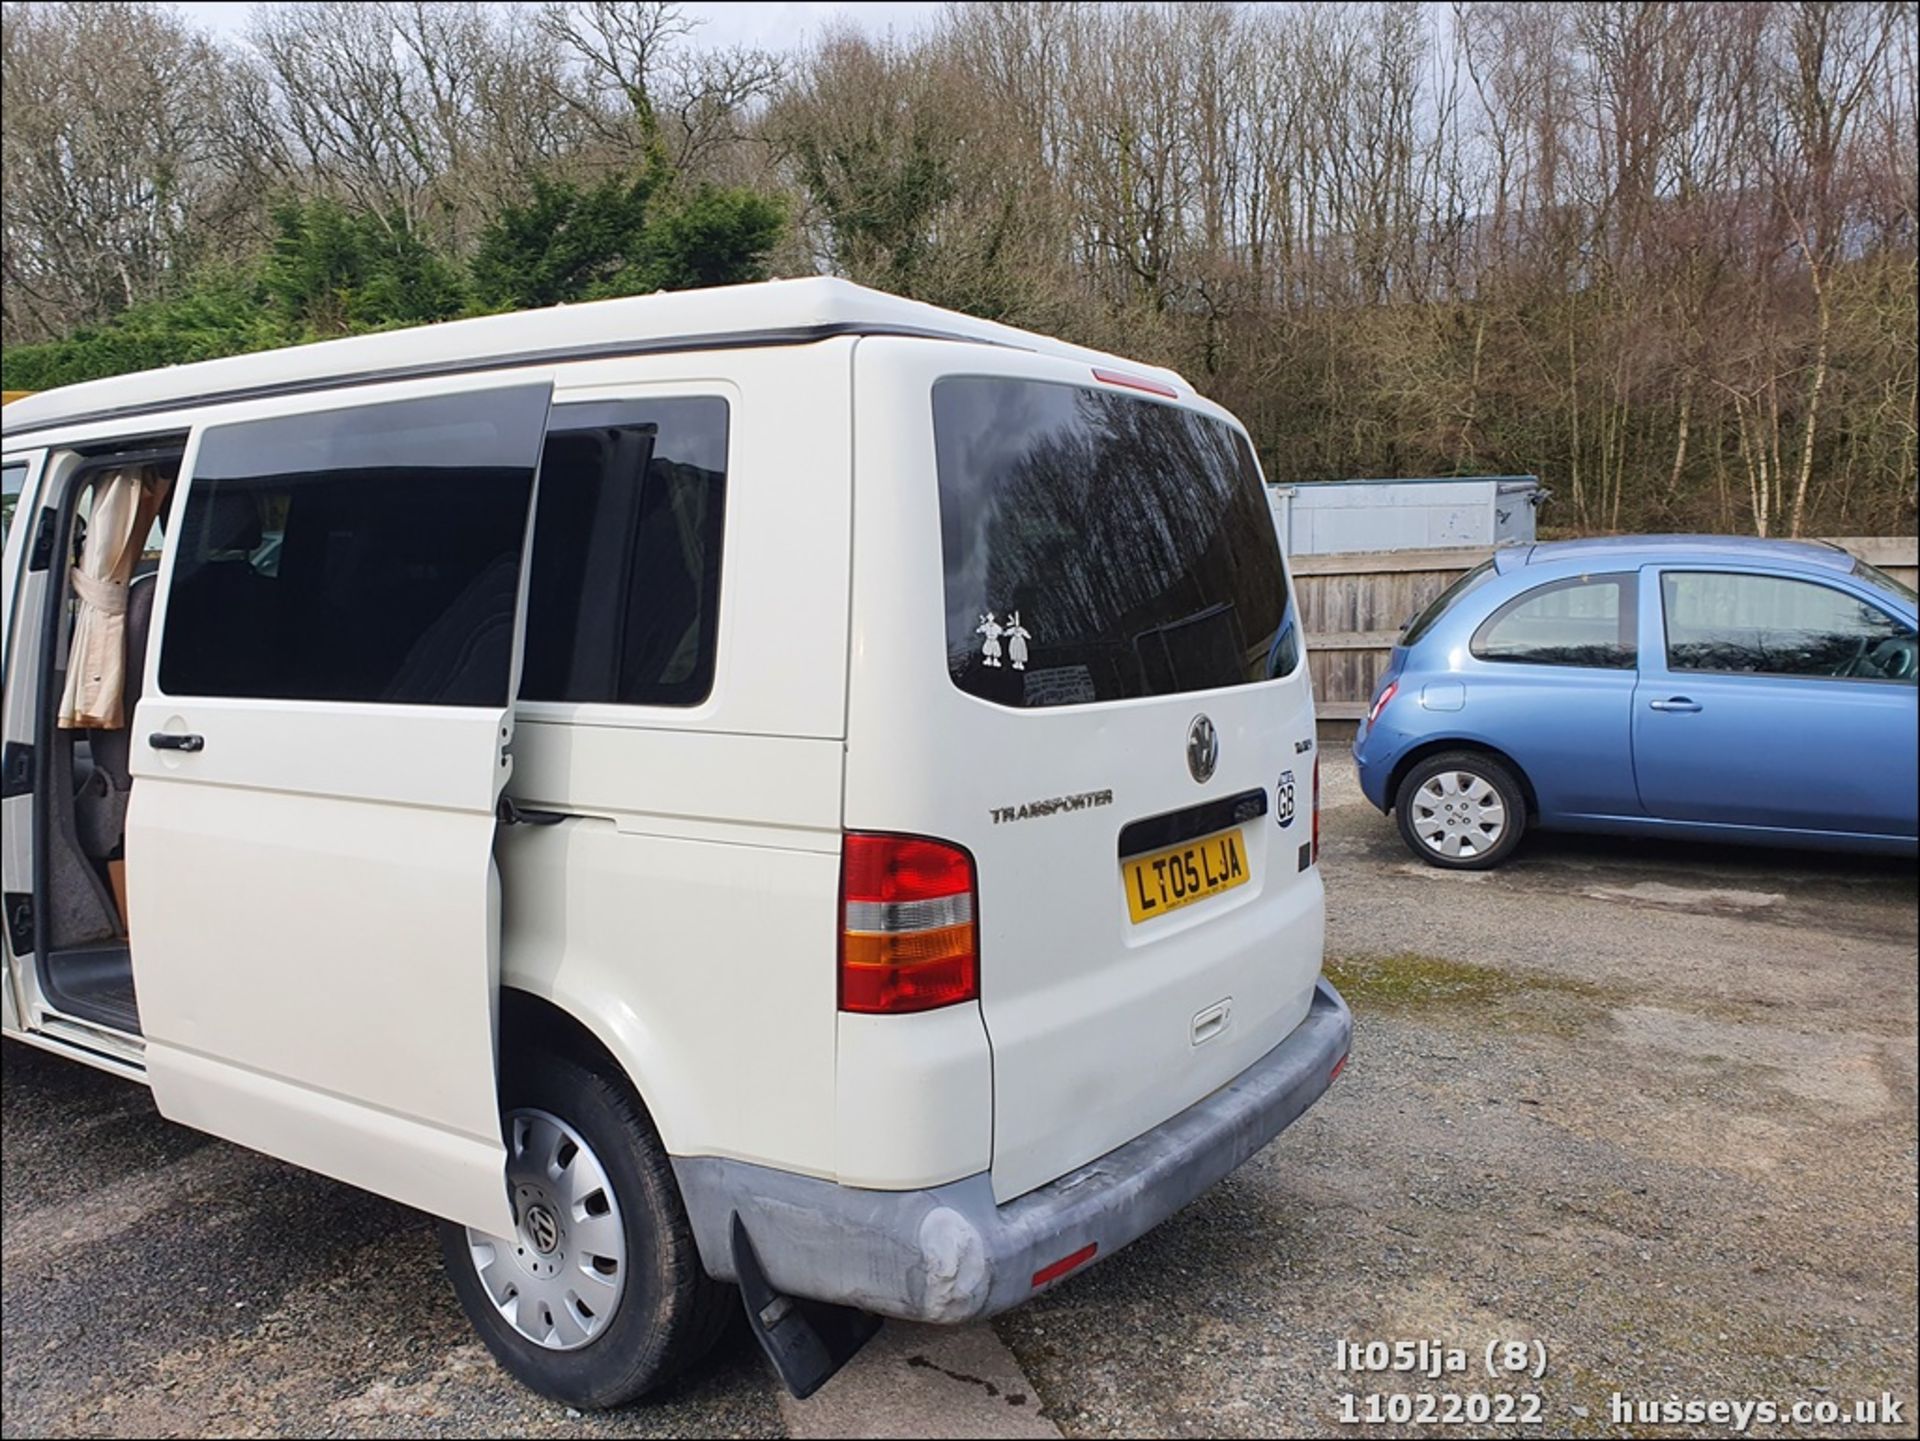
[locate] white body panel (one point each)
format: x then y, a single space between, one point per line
688 916
1091 1019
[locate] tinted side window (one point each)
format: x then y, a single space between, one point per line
1769 625
1585 621
365 554
623 598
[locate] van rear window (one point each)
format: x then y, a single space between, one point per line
1099 546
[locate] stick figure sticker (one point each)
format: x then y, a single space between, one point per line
993 631
1017 638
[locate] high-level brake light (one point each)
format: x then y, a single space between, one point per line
1135 382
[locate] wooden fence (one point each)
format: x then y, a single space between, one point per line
1354 604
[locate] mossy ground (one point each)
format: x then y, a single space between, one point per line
1409 982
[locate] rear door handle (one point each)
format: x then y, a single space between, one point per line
1675 703
168 741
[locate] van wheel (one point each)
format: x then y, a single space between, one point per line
599 1295
1461 810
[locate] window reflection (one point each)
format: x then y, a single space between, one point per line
1587 621
1770 625
1130 540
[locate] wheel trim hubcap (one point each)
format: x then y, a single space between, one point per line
559 1278
1458 814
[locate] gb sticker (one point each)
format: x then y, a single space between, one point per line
1283 800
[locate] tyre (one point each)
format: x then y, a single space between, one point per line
599 1296
1461 810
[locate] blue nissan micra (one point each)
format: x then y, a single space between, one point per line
1691 686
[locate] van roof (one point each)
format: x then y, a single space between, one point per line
777 312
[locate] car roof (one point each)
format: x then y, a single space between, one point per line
776 312
1645 549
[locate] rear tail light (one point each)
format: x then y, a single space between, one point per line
1380 701
908 940
1316 807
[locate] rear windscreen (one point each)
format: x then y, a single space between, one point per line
1099 547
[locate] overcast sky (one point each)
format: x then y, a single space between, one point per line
767 24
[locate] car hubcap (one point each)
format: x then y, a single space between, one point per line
1458 814
558 1280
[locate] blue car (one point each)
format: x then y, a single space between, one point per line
1690 686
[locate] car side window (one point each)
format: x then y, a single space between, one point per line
368 554
623 598
1731 623
1586 620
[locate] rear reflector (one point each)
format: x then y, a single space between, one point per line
1338 1066
1135 382
908 940
1065 1264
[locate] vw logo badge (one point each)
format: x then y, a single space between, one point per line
542 1229
1203 749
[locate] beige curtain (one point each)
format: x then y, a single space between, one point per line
124 505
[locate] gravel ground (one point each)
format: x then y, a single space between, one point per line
157 1282
1653 1106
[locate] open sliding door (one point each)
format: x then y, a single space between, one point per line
318 756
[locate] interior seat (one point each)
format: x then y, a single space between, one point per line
102 802
218 593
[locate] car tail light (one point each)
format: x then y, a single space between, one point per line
1316 807
1380 701
908 941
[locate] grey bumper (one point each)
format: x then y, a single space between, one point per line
950 1254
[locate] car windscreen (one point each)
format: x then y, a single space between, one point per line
1442 603
1099 547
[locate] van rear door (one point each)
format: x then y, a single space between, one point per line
1075 655
319 751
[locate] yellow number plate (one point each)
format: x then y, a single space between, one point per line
1168 880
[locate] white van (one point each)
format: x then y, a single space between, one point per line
778 785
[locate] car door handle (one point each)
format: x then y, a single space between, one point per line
1675 703
168 741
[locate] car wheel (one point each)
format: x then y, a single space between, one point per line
599 1295
1461 810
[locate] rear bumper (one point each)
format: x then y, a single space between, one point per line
950 1254
1374 752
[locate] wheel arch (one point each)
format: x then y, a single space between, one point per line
1403 767
530 1021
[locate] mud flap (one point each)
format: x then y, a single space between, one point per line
807 1341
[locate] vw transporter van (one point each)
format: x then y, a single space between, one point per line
779 792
